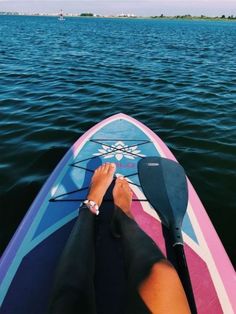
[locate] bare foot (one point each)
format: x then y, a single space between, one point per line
100 182
122 195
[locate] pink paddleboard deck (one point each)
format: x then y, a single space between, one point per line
45 229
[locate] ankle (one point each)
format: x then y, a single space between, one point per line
93 197
125 209
92 206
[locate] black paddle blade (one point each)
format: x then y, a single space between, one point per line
165 186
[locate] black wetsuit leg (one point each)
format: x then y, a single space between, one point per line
140 253
73 291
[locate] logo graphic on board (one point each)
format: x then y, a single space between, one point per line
119 151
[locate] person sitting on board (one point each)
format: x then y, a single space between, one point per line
154 281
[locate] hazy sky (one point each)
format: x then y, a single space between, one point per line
139 7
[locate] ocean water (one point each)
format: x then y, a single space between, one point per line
57 79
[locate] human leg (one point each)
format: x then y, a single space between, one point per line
73 290
162 290
150 275
73 286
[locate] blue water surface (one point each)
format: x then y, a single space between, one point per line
59 78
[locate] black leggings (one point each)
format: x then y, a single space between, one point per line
74 288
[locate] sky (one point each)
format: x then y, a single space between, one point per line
138 7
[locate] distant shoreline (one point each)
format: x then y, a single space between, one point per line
125 16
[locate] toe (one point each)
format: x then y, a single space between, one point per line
103 167
99 169
113 166
112 169
106 167
120 180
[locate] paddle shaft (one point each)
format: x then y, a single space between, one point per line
182 266
184 276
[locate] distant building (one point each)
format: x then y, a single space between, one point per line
130 15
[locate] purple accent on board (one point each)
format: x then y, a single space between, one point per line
23 296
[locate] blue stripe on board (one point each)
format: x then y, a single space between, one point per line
56 211
188 229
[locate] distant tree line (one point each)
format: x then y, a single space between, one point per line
86 14
189 16
230 17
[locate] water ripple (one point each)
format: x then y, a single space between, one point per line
177 77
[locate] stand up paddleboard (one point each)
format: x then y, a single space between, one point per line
28 264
